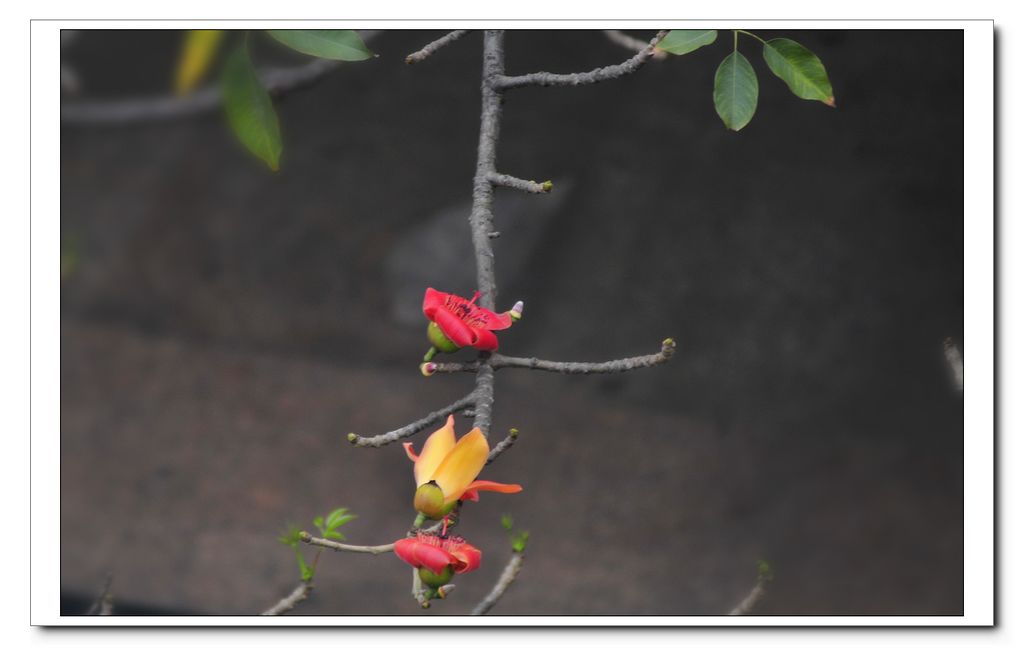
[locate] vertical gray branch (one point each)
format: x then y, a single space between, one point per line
481 217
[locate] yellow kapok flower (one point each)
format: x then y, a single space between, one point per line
446 470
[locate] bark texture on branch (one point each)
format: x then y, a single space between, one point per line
434 46
546 79
508 576
412 428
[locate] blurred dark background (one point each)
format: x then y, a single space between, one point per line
223 327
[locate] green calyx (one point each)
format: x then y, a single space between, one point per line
440 340
429 500
435 580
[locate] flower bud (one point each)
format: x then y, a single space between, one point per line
428 369
435 580
429 500
517 311
439 339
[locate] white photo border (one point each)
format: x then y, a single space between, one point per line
979 328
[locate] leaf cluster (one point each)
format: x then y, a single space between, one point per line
250 111
736 87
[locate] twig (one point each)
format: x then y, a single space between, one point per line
581 78
508 576
632 43
104 604
503 445
529 186
498 361
289 602
746 606
765 575
307 537
278 81
432 47
956 362
413 427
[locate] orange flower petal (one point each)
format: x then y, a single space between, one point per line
491 486
435 450
462 464
409 452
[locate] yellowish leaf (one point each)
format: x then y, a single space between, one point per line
197 53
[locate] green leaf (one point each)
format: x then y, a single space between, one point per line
250 111
765 572
735 91
681 42
506 522
519 541
329 44
800 69
338 517
304 570
290 537
318 522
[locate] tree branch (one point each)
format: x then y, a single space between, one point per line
632 43
582 78
413 427
278 81
432 47
508 576
289 602
503 445
104 603
481 216
307 537
746 606
956 362
528 186
498 361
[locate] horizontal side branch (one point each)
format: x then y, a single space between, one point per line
498 361
432 47
608 73
529 186
632 43
307 537
668 348
278 81
413 427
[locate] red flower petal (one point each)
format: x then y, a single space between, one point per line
432 301
466 557
409 452
494 321
406 550
419 554
456 329
470 495
485 340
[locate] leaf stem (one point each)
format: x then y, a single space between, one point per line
749 34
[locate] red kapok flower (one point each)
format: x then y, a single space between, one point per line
446 471
456 322
436 554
